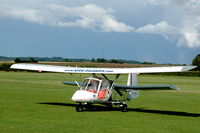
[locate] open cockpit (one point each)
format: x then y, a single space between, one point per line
97 85
93 89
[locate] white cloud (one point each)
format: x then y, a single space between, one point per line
185 14
30 15
177 18
89 16
160 28
190 38
190 26
158 2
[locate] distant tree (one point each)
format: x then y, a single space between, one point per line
114 61
32 60
17 60
145 62
27 60
196 62
93 60
68 60
101 60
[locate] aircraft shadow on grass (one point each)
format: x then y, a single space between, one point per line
98 108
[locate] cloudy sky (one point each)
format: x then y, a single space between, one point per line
162 31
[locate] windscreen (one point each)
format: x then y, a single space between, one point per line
90 85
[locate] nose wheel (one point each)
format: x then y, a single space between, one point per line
79 107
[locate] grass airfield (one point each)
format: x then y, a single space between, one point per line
40 103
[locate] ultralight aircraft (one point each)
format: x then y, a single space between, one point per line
100 89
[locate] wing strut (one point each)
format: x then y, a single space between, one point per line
117 76
105 77
75 79
112 82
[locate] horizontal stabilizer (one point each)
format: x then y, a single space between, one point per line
146 87
65 69
69 83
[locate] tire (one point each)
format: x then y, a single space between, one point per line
124 108
79 108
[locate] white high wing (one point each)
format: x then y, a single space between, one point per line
103 90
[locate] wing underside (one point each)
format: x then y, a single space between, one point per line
65 69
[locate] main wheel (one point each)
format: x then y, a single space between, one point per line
124 108
79 107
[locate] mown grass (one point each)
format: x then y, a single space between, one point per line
40 103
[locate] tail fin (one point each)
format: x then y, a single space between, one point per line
132 79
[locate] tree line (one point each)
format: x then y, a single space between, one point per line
196 62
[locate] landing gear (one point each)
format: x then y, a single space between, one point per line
79 107
123 107
88 107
